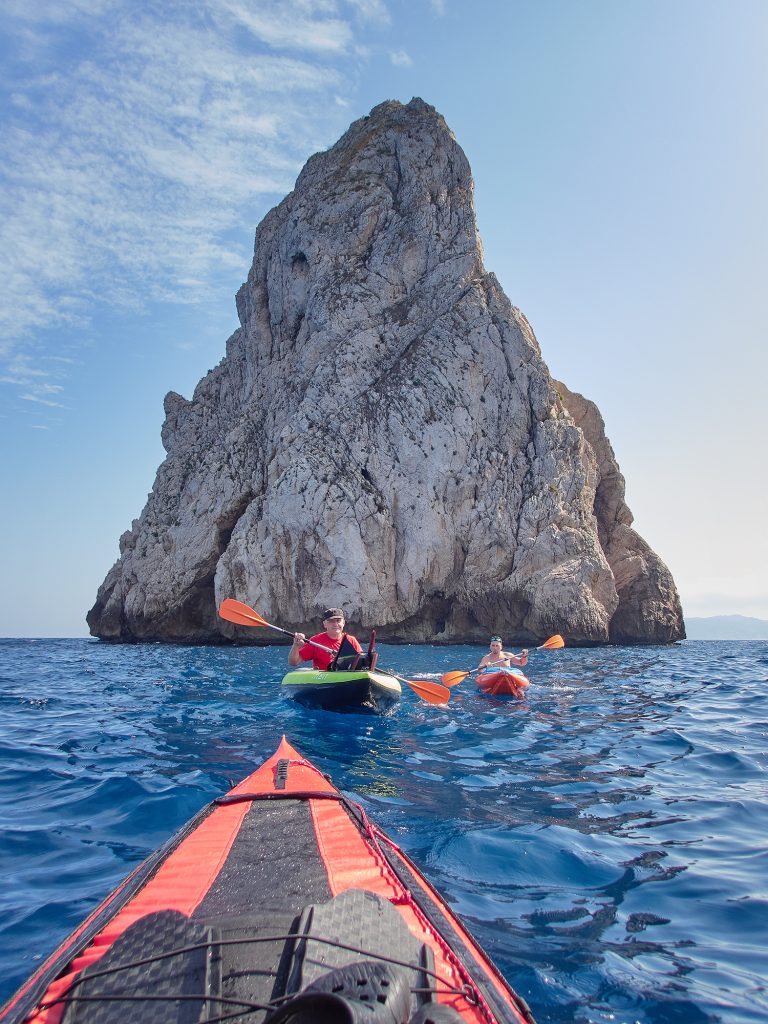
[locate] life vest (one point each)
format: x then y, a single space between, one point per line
347 658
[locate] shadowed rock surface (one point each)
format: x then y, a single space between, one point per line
383 434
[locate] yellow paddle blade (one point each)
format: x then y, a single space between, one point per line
242 614
453 678
554 641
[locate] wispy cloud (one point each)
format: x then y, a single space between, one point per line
53 12
373 11
41 401
137 139
36 377
400 59
292 26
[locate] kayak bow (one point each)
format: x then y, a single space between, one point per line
279 902
503 683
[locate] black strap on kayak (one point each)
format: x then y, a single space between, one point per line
282 773
239 798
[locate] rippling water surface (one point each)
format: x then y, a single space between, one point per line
605 839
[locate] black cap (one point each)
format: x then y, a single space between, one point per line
333 613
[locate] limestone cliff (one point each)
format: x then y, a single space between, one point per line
384 435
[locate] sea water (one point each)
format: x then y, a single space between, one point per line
604 839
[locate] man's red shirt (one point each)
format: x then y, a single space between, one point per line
321 659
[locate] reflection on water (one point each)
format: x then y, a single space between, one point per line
601 837
365 773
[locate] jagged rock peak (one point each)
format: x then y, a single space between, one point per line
383 434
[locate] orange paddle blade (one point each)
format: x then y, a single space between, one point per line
453 678
236 611
554 641
432 692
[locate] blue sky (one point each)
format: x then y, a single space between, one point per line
620 157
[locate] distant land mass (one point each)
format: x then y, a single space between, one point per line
726 627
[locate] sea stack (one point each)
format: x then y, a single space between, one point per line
383 434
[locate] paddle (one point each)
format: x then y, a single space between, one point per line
243 615
454 678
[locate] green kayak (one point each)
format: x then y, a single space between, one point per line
363 690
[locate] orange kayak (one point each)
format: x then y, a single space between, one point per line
502 684
279 902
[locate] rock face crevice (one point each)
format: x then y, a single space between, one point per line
383 434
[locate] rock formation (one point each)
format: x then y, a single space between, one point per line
383 434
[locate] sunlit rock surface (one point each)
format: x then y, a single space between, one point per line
383 434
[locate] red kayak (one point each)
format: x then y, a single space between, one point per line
279 902
504 683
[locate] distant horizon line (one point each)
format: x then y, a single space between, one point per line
686 618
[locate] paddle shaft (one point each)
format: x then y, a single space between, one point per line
314 643
279 629
501 661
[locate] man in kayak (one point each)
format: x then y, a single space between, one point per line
333 637
496 660
497 677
